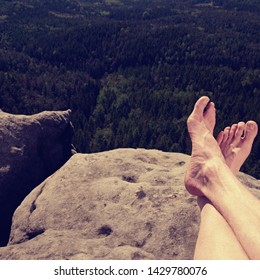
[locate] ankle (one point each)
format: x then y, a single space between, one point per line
214 176
222 184
210 169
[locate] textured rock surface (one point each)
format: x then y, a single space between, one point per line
121 204
31 149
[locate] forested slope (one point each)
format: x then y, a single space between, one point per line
132 70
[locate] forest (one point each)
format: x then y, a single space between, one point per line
131 70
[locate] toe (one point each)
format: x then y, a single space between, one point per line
226 134
196 117
232 133
210 116
220 137
200 106
250 132
209 109
238 134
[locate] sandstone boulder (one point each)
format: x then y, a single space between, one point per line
31 149
121 204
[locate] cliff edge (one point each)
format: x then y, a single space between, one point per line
120 204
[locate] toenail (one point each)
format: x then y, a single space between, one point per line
251 126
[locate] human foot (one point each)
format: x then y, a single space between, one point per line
206 154
236 143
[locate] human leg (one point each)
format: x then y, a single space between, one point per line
209 176
216 239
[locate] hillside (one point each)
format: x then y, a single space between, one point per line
132 70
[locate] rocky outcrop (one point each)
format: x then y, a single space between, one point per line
31 149
121 204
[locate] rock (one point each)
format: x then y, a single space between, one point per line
121 204
74 245
31 149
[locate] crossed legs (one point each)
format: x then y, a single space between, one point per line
225 232
216 240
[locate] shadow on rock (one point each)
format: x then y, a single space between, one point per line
31 149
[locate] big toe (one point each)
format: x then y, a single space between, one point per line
250 133
198 111
251 130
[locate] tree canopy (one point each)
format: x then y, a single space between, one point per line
132 70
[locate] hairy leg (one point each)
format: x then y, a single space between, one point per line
209 176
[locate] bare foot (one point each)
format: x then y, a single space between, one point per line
236 143
206 154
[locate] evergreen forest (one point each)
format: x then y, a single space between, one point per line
131 70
